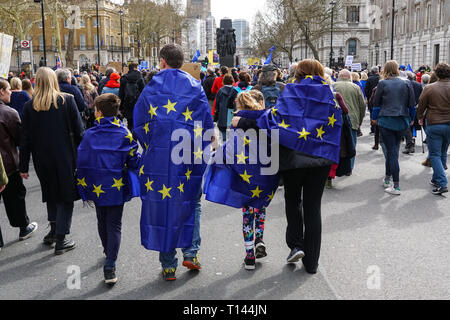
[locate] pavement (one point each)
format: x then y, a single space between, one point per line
374 246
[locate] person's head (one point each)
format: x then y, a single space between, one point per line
375 70
5 91
228 80
259 97
46 90
328 71
109 71
364 76
355 76
402 68
26 85
433 78
309 67
107 105
442 71
328 79
292 69
245 101
224 70
64 75
16 84
133 66
411 76
268 76
150 75
245 77
426 79
172 57
86 83
391 69
210 71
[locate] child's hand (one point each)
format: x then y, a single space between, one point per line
2 188
235 121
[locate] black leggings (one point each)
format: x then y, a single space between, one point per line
305 212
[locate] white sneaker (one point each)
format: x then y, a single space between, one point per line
393 191
387 184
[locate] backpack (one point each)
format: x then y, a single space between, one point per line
271 95
131 93
239 89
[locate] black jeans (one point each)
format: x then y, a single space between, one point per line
109 223
14 200
303 189
61 213
391 140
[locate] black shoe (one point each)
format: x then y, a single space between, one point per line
249 264
440 191
50 238
64 246
409 150
295 255
110 276
434 184
28 231
260 249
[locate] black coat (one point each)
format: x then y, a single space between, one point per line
46 136
207 86
372 82
224 102
132 78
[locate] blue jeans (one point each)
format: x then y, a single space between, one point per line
169 259
355 141
438 138
391 148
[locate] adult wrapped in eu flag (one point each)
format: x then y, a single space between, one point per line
106 166
172 101
235 178
308 117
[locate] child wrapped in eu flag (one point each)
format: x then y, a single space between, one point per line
107 164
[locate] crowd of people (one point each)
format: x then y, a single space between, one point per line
60 119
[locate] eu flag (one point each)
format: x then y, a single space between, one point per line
172 101
107 157
240 183
308 117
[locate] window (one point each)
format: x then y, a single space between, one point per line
387 27
53 42
353 14
95 42
66 40
413 56
405 23
417 19
424 57
441 12
82 42
95 23
352 43
429 15
112 41
41 43
82 23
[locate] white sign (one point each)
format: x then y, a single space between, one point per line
6 46
25 44
26 56
349 61
356 67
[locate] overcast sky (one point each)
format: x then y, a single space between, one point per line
236 9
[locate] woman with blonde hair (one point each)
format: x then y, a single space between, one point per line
51 132
89 93
18 96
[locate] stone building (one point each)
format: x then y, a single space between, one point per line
421 32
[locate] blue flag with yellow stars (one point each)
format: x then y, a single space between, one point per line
308 117
173 106
107 164
238 182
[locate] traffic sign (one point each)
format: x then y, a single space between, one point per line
25 44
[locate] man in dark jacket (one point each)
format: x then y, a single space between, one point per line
410 141
64 80
105 80
207 86
371 84
131 86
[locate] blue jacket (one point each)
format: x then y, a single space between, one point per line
395 97
111 90
73 90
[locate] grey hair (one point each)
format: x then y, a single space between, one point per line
210 71
328 71
426 78
268 78
375 69
411 75
345 74
109 71
63 74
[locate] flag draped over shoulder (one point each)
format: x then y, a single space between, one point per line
241 184
309 118
173 100
106 164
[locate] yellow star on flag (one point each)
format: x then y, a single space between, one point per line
198 154
256 192
170 106
152 111
188 174
336 104
188 114
320 132
146 129
310 77
246 177
165 192
332 121
274 111
98 190
99 119
149 185
304 134
141 171
241 158
116 122
181 187
198 131
82 182
270 197
118 184
146 146
131 154
246 141
129 136
284 125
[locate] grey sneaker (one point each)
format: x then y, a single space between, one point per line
295 255
28 231
393 191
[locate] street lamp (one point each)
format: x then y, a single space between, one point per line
121 34
306 39
392 31
98 35
332 3
138 43
43 29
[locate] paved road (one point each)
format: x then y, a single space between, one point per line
365 233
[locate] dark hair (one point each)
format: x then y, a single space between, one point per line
26 84
150 75
109 71
173 54
245 77
442 71
224 69
133 66
228 80
108 104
